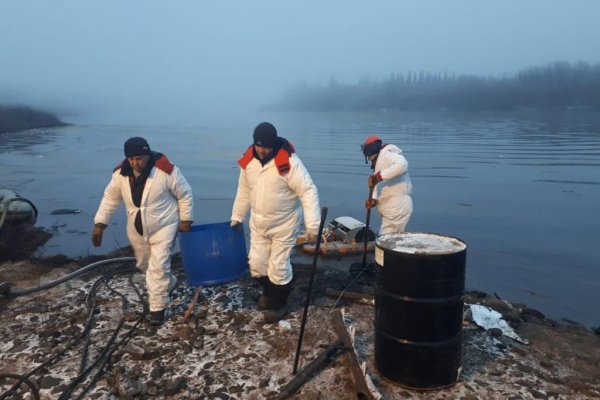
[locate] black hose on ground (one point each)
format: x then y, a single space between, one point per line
20 379
105 351
10 293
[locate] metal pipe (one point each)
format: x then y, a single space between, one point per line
289 388
366 230
310 283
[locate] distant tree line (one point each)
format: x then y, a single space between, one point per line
19 118
559 84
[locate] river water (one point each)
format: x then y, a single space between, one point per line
521 189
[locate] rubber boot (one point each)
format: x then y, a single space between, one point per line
172 286
278 297
262 302
158 318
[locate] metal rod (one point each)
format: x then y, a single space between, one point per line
313 367
310 283
366 231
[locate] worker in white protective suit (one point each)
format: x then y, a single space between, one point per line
158 202
276 187
391 183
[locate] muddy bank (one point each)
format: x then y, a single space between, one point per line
225 352
20 241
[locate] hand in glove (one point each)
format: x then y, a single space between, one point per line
371 203
311 236
97 234
237 225
185 226
374 180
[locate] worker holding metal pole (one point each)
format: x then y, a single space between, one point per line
309 291
392 184
278 190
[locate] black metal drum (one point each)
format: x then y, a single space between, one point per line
419 308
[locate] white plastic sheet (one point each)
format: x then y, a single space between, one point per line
487 318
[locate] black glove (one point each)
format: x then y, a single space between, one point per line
237 225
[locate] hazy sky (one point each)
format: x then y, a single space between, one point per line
164 61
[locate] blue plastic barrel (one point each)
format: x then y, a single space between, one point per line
213 254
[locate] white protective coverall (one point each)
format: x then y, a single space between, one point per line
393 192
166 200
274 201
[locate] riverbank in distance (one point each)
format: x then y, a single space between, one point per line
14 118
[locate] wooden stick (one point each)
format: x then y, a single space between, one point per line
359 380
190 308
359 297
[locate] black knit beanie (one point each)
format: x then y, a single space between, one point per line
372 148
265 135
137 146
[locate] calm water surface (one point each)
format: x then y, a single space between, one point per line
521 189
